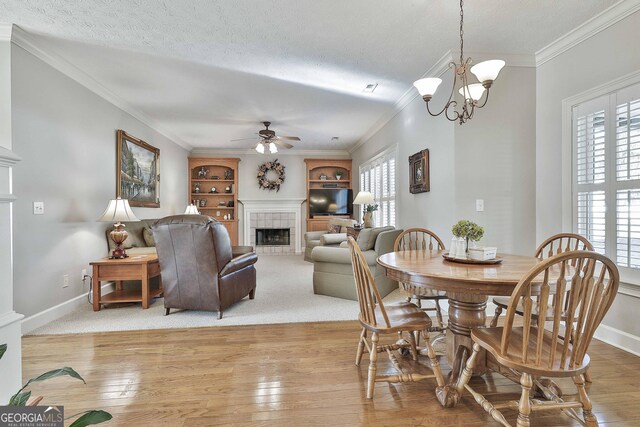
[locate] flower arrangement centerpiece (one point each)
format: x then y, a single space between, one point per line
468 230
271 184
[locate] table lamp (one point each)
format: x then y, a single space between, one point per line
191 210
365 198
118 210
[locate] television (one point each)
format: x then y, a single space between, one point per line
330 201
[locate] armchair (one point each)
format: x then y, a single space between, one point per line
197 265
333 270
324 238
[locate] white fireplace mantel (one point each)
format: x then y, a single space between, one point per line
272 205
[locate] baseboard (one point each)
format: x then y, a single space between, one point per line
617 338
49 315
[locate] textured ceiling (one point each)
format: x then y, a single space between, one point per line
210 71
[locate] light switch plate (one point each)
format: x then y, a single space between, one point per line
479 205
38 208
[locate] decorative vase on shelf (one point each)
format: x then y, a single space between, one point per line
368 220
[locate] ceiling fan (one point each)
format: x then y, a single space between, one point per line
269 140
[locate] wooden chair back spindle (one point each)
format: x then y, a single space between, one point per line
563 242
590 281
367 291
418 239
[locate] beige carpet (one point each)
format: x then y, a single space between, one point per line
284 294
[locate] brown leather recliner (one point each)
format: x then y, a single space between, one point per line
197 266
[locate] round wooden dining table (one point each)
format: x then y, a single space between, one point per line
468 287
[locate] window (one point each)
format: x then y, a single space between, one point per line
378 176
606 181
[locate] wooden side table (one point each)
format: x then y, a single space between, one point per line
136 267
353 232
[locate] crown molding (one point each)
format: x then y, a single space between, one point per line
5 31
437 70
590 28
209 152
24 40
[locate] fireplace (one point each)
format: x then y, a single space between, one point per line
272 237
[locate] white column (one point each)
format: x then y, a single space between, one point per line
11 363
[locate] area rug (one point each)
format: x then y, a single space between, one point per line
284 294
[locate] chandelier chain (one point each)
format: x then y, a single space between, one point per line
461 32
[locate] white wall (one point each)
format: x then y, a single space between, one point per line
294 187
610 54
491 157
66 136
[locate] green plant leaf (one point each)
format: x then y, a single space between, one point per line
90 418
55 373
20 399
3 349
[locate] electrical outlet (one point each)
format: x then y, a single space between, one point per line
65 281
84 274
479 205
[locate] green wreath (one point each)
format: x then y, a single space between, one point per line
264 182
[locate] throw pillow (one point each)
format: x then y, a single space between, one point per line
148 237
368 236
334 228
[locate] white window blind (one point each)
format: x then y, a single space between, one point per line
606 152
378 176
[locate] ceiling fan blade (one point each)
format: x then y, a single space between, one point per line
282 144
245 139
289 138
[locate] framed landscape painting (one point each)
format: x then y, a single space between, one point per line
137 171
419 172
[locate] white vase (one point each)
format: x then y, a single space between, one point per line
453 248
462 248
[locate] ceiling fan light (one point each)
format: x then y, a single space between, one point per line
272 148
473 91
487 71
428 86
260 148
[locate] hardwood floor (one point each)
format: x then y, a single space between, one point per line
289 374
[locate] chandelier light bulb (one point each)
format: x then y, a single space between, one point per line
487 71
473 91
260 148
428 86
272 148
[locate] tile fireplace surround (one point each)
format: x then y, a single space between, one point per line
280 213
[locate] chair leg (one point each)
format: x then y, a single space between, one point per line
220 314
494 321
252 293
373 359
414 347
524 406
363 337
167 310
589 418
587 376
439 313
435 365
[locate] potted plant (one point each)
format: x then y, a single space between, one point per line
368 215
470 231
24 398
339 175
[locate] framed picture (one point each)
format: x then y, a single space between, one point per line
419 172
137 171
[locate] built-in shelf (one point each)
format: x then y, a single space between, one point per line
345 181
212 180
212 194
327 168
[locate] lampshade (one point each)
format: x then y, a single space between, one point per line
118 210
260 148
487 70
428 86
272 148
475 91
192 210
364 198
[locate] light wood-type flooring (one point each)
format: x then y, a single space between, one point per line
285 375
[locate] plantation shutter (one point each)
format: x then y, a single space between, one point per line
378 176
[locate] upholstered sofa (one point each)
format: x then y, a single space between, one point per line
325 238
332 270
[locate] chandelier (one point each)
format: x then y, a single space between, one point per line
486 72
